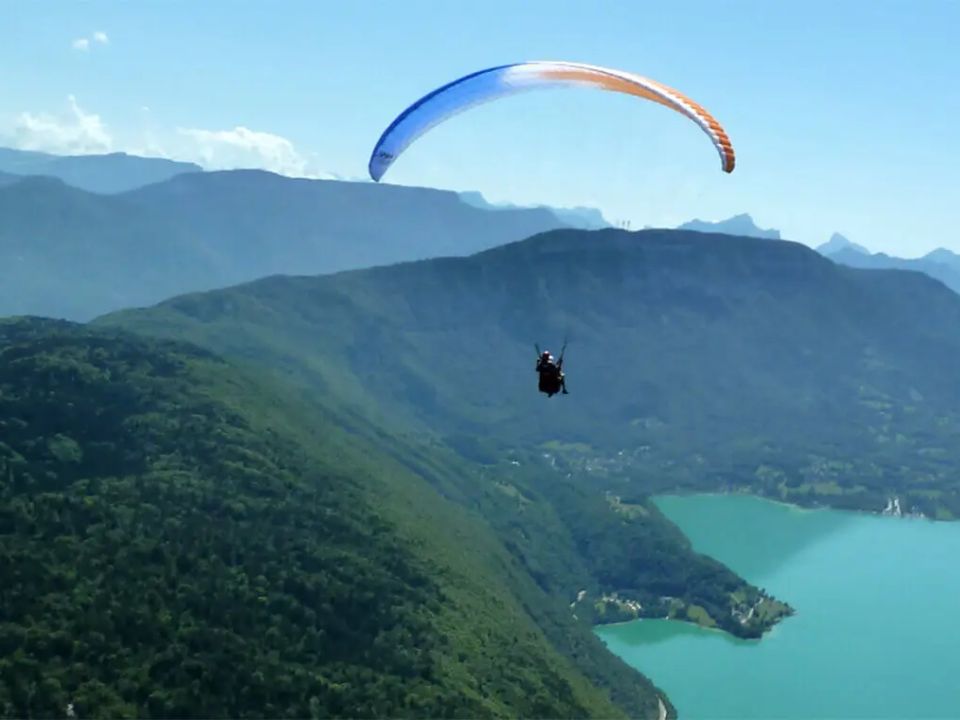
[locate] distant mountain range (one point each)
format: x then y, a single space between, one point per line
121 172
740 225
941 263
84 235
838 243
72 254
113 173
226 227
583 218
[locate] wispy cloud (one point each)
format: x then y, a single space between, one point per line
83 43
245 148
75 132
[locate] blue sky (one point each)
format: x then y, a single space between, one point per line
843 113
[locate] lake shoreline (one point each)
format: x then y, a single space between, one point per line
811 506
793 506
849 575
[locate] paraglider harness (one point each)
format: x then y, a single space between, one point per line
552 379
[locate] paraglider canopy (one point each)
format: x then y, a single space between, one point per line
504 80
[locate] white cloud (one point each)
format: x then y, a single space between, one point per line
78 132
75 133
245 148
83 43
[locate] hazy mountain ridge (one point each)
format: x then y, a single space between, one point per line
68 253
740 225
838 243
72 254
122 172
940 264
584 218
343 224
110 173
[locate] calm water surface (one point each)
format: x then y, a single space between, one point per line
877 629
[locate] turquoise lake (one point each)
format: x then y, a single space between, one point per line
877 629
